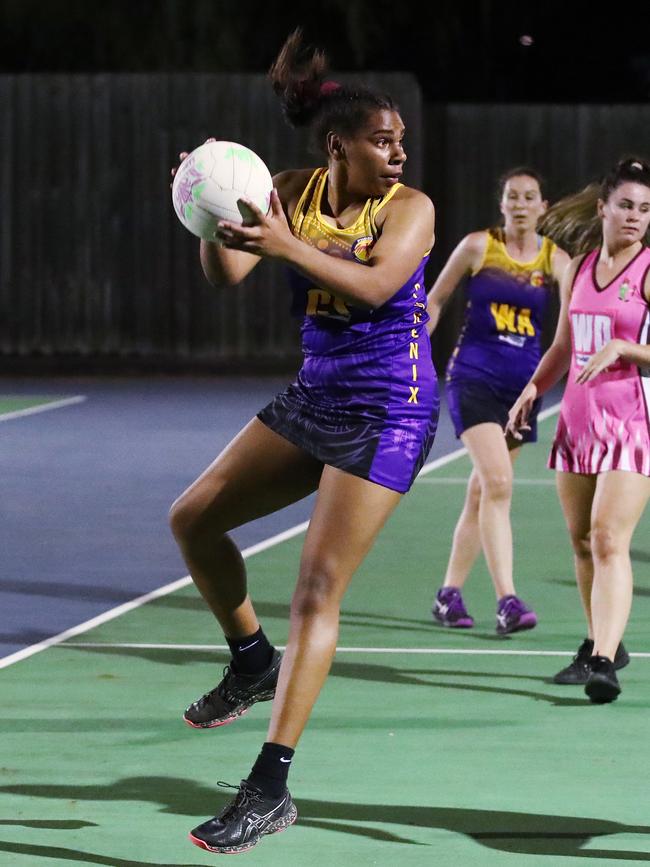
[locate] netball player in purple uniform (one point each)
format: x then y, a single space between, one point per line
511 273
355 426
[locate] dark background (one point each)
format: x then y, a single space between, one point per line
458 50
96 100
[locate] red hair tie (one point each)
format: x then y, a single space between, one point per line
328 87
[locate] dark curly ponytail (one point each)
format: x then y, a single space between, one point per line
298 77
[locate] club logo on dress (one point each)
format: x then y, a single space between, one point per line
362 247
537 278
625 290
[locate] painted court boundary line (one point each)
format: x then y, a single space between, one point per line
112 613
165 590
32 410
452 651
460 480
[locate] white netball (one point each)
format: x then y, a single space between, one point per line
210 182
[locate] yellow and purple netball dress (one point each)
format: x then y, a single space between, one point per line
500 343
366 397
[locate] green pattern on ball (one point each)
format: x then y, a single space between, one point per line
197 190
242 154
187 211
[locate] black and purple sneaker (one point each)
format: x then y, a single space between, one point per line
449 609
514 616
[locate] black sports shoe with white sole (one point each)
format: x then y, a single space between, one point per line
602 686
245 821
233 696
578 671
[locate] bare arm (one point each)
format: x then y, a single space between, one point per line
466 258
635 353
559 264
553 364
557 358
223 267
407 233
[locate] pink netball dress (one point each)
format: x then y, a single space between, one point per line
604 424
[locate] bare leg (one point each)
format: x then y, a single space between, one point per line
488 450
576 494
348 515
618 505
466 545
256 474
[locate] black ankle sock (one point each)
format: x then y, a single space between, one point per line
271 769
251 654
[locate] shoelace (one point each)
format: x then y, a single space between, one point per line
227 689
222 689
583 655
245 796
512 607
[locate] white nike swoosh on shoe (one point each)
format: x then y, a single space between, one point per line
286 761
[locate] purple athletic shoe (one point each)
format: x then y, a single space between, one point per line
513 615
449 609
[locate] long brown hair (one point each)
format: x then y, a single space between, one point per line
573 222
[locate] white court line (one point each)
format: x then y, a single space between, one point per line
462 480
112 613
452 651
32 410
138 601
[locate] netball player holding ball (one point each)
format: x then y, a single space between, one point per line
355 426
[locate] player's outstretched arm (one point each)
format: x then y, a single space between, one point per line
407 234
225 266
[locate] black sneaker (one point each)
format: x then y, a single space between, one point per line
603 685
243 822
233 696
578 671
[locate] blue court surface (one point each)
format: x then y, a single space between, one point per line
88 483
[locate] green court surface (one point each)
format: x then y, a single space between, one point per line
461 754
14 404
11 406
